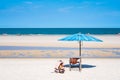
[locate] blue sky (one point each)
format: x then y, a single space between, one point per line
59 13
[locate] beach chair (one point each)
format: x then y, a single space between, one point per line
73 61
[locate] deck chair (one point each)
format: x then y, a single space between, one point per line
73 61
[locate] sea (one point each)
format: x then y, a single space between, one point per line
27 31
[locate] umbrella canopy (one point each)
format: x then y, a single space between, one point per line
80 37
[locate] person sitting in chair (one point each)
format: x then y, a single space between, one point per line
60 67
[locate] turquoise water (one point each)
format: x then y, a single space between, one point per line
59 30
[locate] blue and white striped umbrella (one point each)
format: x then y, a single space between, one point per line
80 37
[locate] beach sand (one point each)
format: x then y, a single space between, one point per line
43 69
31 64
109 41
110 47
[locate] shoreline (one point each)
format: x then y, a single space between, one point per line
98 53
49 46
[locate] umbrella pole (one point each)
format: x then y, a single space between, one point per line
80 65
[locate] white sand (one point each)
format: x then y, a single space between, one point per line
42 69
109 41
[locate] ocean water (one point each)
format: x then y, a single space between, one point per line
28 31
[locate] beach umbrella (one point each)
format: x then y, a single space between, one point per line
80 37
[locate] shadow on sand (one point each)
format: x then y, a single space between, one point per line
77 65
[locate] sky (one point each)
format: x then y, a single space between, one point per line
59 13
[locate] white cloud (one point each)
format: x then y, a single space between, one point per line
13 9
81 7
30 5
28 2
99 3
86 4
65 9
21 8
91 3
